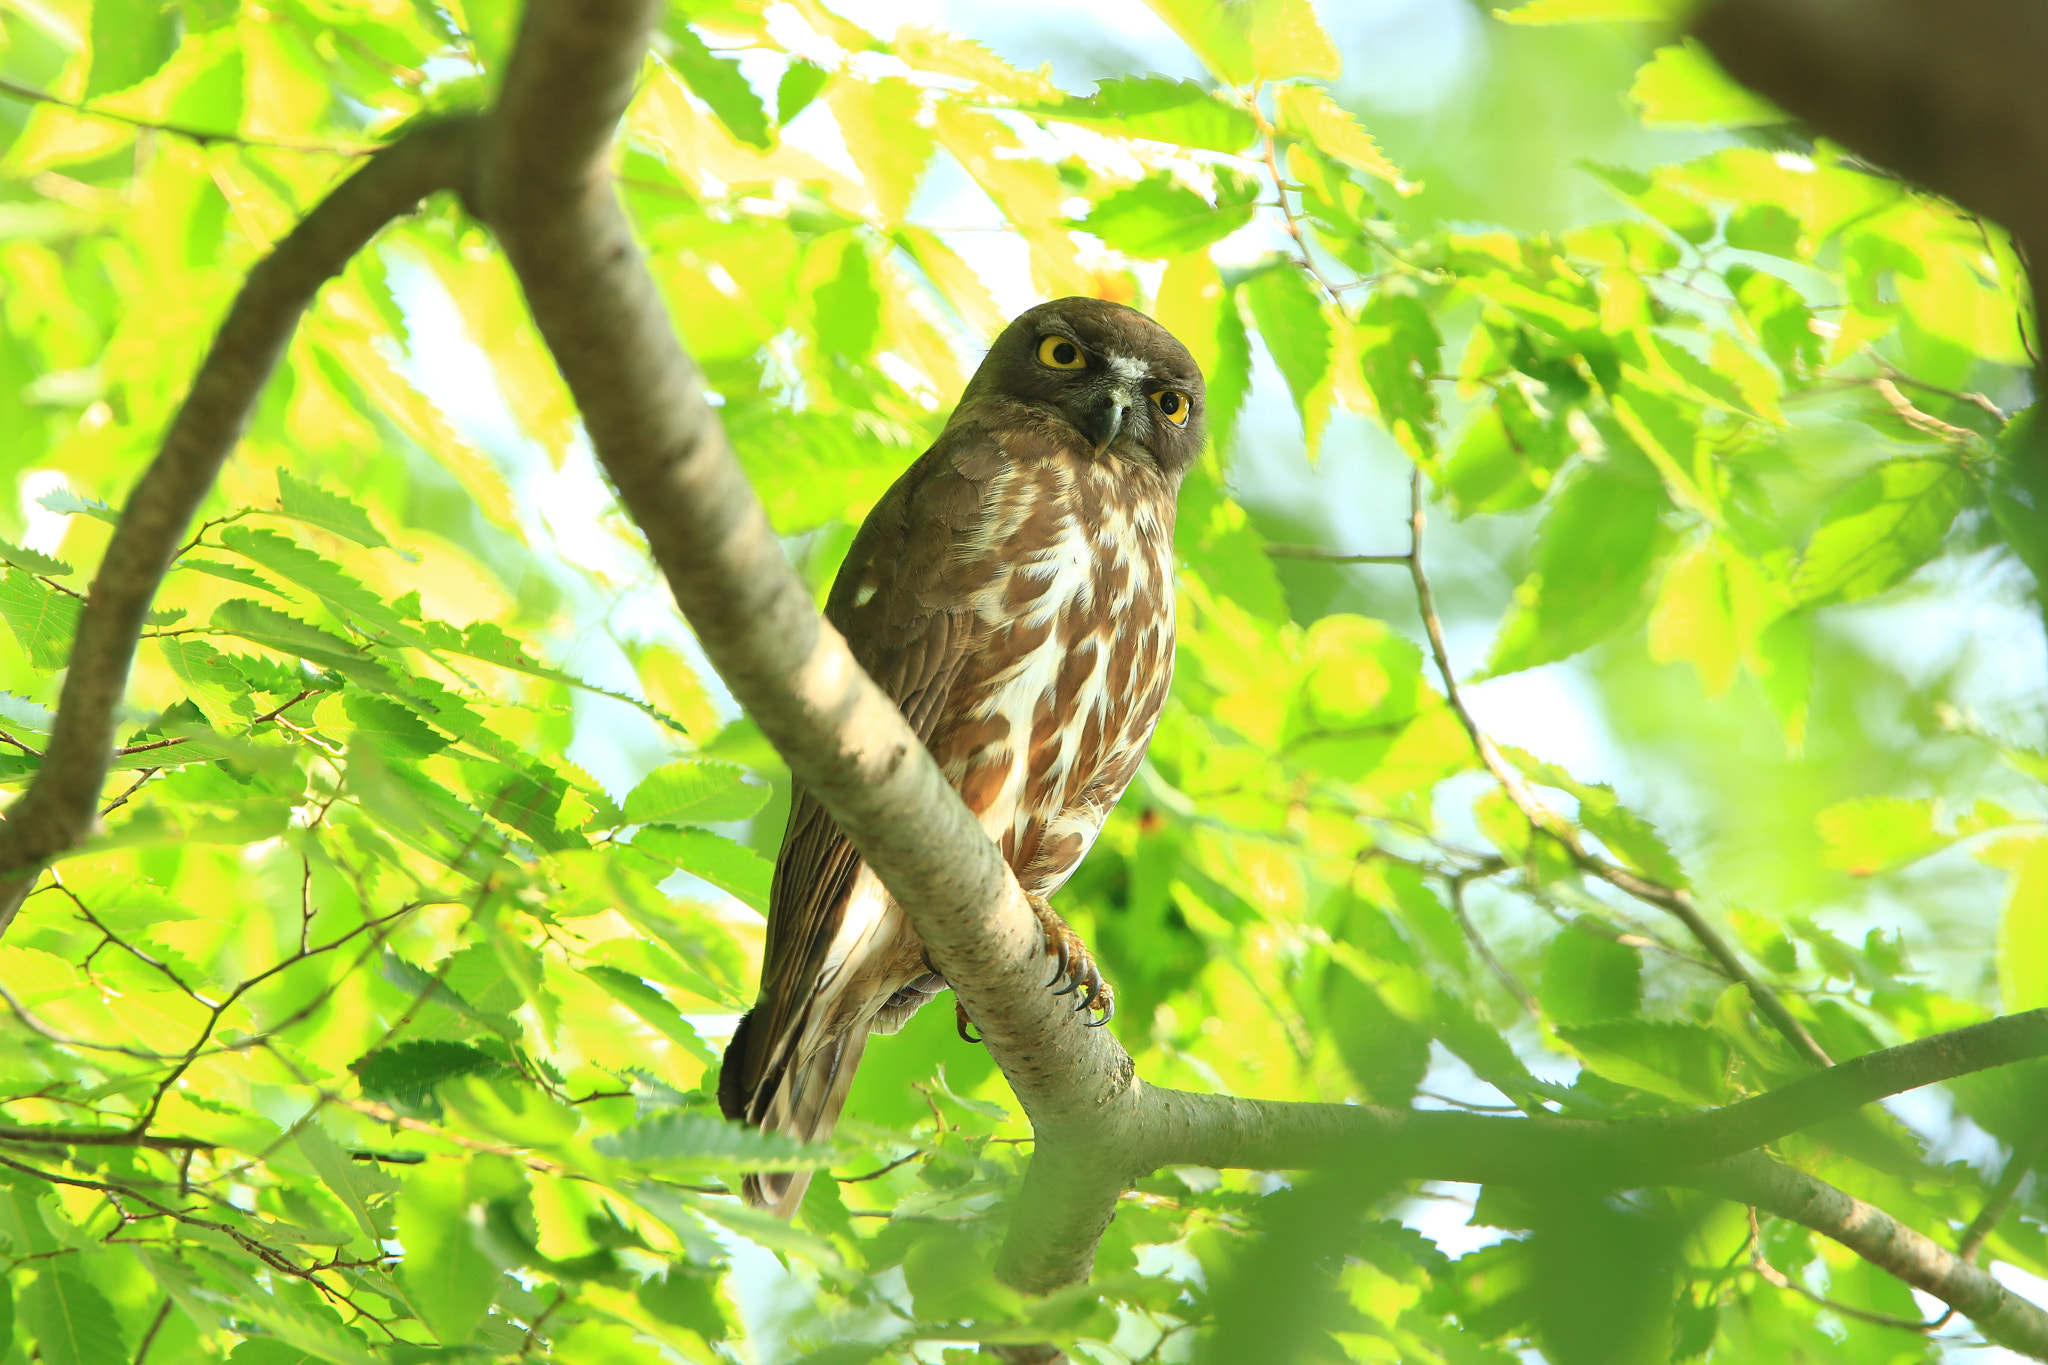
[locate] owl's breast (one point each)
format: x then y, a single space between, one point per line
1073 586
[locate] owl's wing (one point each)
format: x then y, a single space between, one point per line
905 614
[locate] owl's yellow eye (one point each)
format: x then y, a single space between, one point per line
1172 406
1060 354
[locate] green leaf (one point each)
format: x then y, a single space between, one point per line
1386 1053
72 1322
446 1274
131 40
1889 523
321 1339
1872 834
1158 109
271 1351
391 727
652 1006
273 629
693 792
719 82
1161 216
409 1071
2023 934
331 512
1596 555
325 579
1253 40
1589 978
1290 320
1684 85
211 681
729 866
1308 112
233 573
697 1140
71 504
879 120
799 85
1399 349
34 561
42 619
1683 1062
353 1187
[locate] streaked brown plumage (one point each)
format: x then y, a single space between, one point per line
1013 593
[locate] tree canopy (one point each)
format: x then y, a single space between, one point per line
1608 705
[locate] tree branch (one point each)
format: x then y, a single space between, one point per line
2000 1314
60 808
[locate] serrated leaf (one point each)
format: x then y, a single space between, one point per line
409 1071
2023 933
273 629
331 512
729 866
1889 523
336 1173
653 1007
1683 85
1158 109
1684 1062
72 1322
719 82
1290 320
327 1341
799 85
702 1140
42 619
211 682
695 792
34 561
1588 978
446 1274
1253 40
233 573
879 120
1308 112
71 504
1162 216
391 726
1399 350
322 577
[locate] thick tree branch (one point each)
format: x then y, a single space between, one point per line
2000 1314
61 807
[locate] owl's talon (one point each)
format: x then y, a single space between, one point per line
1073 965
963 1024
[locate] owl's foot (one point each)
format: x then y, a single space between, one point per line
1074 965
963 1023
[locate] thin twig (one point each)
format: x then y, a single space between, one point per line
1773 1275
1479 946
876 1175
1284 551
202 136
1676 902
156 1324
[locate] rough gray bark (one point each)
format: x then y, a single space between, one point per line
536 169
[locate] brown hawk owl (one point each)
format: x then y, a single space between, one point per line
1013 594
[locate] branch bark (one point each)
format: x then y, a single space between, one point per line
61 808
535 169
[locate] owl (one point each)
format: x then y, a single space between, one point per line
1013 594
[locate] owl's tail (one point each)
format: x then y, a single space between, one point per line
803 1100
805 1077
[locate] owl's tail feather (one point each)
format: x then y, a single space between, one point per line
805 1104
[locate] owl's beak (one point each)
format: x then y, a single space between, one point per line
1109 421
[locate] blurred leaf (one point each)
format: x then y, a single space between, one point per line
1889 523
697 1140
2023 933
445 1273
729 866
719 82
1684 85
1161 216
1869 835
1684 1062
1589 978
1291 322
693 791
72 1322
1160 110
42 618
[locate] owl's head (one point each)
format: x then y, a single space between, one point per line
1119 379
